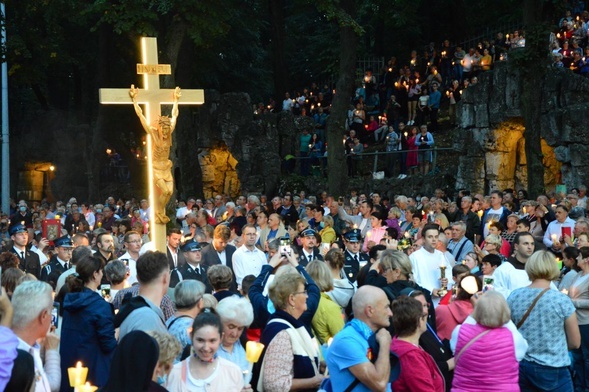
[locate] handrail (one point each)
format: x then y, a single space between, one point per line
434 150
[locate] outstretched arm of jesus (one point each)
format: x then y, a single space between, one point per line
133 94
177 95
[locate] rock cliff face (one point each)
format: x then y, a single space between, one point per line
237 153
492 132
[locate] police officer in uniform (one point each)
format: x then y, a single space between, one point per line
59 262
28 261
354 259
193 268
309 251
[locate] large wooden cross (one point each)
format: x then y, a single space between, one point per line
153 98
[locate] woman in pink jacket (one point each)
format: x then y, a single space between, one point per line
487 336
453 314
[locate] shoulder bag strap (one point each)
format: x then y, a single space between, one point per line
467 345
459 250
531 308
176 319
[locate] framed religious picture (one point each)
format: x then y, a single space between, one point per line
51 229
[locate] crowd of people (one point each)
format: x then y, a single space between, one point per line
412 94
360 292
568 43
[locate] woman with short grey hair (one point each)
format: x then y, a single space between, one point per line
236 315
188 299
116 273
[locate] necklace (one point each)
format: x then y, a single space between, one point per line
203 373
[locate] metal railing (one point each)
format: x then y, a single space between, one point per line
434 150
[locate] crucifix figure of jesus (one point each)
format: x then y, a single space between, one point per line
160 131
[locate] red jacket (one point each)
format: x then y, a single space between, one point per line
419 372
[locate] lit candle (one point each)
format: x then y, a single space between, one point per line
329 341
564 291
554 238
85 388
77 375
253 350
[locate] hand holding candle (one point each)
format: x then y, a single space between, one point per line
253 350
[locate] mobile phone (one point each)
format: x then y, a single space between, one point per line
488 283
55 314
325 246
105 290
340 201
284 246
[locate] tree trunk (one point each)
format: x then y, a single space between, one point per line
534 66
97 131
279 66
336 159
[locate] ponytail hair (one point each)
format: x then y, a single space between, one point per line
85 269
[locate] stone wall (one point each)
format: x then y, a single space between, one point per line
225 149
492 131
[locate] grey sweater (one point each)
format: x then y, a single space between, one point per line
580 296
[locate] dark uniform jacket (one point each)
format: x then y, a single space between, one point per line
303 260
351 266
186 272
31 264
51 271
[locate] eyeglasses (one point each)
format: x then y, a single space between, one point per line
134 242
300 292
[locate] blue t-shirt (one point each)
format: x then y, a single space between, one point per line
347 349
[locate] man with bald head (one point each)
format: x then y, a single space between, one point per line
354 362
